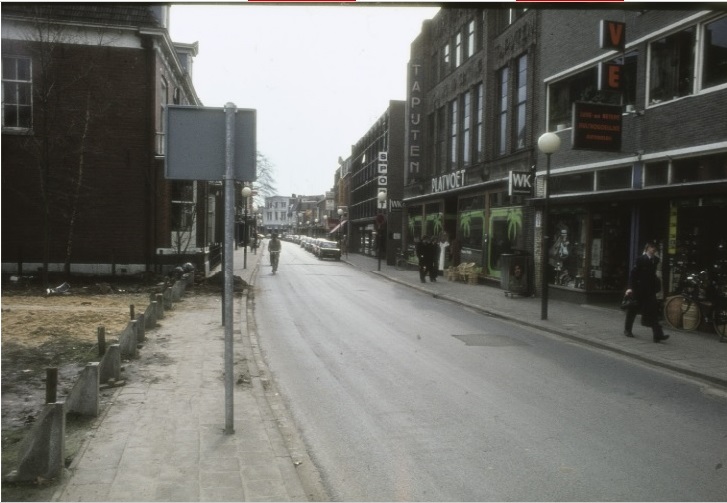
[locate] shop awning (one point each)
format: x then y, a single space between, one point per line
343 223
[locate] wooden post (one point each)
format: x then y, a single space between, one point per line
101 335
51 384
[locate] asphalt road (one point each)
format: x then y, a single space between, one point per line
400 396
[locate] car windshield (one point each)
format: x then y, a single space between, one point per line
329 245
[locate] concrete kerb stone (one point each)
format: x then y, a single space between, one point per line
84 397
110 364
44 448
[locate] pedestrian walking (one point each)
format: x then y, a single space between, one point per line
643 287
443 246
432 252
422 257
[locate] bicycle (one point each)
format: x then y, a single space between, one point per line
689 309
274 259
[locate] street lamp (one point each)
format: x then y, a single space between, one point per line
255 216
548 143
340 223
382 198
246 191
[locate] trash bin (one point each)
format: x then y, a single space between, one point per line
515 273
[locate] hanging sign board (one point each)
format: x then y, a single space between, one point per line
195 144
520 183
596 126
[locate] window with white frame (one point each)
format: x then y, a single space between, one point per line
458 50
445 60
671 68
714 48
466 130
471 41
17 92
502 107
453 124
522 100
479 127
182 205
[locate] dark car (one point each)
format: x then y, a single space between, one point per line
328 249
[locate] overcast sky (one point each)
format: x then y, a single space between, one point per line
318 76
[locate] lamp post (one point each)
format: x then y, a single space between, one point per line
340 223
315 227
325 226
548 143
255 216
382 198
246 191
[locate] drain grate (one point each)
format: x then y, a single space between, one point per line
491 340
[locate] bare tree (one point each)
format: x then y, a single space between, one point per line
265 183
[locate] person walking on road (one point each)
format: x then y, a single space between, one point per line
643 286
274 248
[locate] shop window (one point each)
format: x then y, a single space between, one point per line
17 91
569 184
715 53
506 235
613 179
471 222
608 263
433 220
700 169
656 173
566 253
671 71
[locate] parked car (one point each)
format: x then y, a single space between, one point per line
328 249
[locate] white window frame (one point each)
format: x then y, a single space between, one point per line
15 103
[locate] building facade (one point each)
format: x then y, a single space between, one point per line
485 84
84 92
376 167
278 215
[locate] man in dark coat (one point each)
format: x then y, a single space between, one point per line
422 256
644 285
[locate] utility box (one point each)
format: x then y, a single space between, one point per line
515 274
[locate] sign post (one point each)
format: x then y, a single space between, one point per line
215 144
229 186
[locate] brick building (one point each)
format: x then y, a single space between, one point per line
485 84
83 187
376 166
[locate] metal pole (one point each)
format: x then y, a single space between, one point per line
244 239
230 110
544 241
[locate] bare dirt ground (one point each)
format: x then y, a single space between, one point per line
41 331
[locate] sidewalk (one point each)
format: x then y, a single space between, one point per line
161 437
696 354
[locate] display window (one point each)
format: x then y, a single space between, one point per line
589 248
506 236
471 228
567 248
